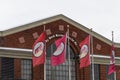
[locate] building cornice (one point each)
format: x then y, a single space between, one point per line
15 53
27 54
31 25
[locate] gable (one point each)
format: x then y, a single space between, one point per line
52 19
24 36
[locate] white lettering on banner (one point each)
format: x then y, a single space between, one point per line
59 35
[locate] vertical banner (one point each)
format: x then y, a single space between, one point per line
112 61
39 50
58 56
84 52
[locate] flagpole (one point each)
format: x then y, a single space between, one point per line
69 63
52 76
45 59
114 54
92 60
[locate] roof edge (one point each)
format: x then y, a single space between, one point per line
31 25
54 18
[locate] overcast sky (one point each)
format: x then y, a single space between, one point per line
101 15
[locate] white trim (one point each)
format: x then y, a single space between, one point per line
16 49
54 18
30 50
15 52
27 54
102 56
32 25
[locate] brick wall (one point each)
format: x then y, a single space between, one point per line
17 68
102 72
26 38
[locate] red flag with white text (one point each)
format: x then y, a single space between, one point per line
112 61
85 52
58 56
39 50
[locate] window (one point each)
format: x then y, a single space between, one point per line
26 69
7 68
96 72
60 72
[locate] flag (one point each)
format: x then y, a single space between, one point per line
58 56
85 52
39 50
112 61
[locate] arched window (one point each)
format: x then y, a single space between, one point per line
60 72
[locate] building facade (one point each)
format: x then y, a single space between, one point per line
16 52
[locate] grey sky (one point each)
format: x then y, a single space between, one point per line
101 15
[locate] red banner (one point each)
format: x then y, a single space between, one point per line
112 61
39 50
84 52
58 56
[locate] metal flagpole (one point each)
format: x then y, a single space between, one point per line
114 54
69 63
92 60
45 59
52 70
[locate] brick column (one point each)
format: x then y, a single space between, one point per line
38 72
17 69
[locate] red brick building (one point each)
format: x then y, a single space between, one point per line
16 52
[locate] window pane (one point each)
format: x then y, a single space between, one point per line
96 72
26 69
7 68
60 72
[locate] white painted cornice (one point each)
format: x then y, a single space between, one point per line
27 54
